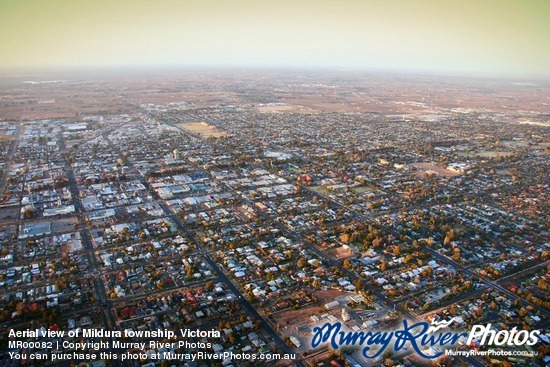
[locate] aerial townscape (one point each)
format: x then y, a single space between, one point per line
248 208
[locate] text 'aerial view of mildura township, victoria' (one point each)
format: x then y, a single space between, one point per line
289 183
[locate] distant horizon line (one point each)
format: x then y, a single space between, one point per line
23 71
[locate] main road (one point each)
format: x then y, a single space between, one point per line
106 312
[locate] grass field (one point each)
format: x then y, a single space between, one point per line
203 129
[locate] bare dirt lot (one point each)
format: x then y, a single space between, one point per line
423 168
4 137
340 252
291 318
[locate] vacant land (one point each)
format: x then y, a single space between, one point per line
323 190
423 168
6 137
203 129
364 189
290 319
340 252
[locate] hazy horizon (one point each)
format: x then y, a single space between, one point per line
443 37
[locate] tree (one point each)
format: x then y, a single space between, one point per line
345 238
20 308
347 264
302 262
316 284
368 299
29 213
456 255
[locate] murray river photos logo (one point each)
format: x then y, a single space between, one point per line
428 341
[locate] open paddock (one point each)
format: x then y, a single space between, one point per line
285 108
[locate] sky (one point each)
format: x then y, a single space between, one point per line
500 37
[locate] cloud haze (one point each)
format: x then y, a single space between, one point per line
467 36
